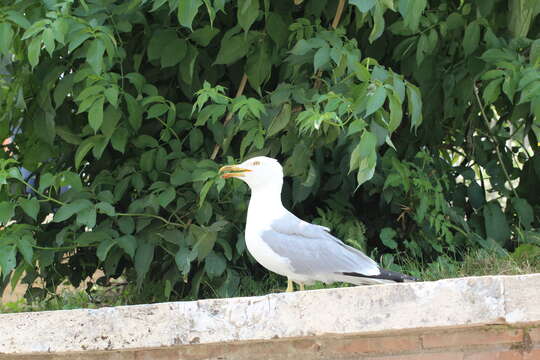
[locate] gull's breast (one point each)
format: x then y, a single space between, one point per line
265 255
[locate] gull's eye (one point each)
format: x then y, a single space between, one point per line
256 163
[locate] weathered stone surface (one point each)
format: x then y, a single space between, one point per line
357 310
522 298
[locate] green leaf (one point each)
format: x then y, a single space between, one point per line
95 114
363 5
205 240
495 223
471 38
173 53
146 161
30 207
258 67
414 105
77 39
82 150
187 66
524 211
112 95
187 10
6 38
534 54
103 248
204 191
378 22
87 217
135 111
277 29
60 28
476 195
7 210
119 139
166 196
280 121
46 181
195 139
68 210
387 236
94 55
180 177
492 91
321 58
301 48
412 10
160 40
7 260
215 111
145 141
157 110
204 35
492 74
48 40
72 179
24 244
18 19
232 50
247 12
375 100
361 72
128 243
396 112
214 264
33 51
89 92
143 259
112 116
183 260
126 224
356 126
36 28
157 4
364 157
421 49
106 208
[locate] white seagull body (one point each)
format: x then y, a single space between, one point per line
289 246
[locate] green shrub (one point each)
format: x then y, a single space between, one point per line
414 121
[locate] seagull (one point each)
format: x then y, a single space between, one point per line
291 247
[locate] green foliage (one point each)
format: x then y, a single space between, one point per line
412 127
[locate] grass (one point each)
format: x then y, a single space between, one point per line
74 299
476 263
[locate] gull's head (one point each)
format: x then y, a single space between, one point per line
258 172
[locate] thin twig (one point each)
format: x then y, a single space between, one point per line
339 11
152 216
48 198
239 93
335 23
492 137
170 129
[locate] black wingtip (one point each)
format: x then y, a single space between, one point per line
385 275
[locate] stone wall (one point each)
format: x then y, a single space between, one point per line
491 318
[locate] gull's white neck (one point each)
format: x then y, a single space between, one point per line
265 203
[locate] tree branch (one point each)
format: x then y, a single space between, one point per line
495 141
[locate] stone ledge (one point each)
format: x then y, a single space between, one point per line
381 309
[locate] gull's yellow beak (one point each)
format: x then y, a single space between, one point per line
230 171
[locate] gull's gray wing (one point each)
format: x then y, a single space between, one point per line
312 250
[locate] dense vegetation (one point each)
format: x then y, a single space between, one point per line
410 127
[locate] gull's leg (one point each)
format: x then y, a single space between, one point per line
302 287
290 287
